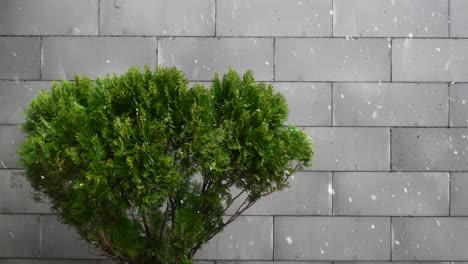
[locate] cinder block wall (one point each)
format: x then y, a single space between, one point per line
380 85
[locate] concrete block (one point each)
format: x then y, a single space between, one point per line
309 103
459 105
429 238
16 195
302 59
274 18
15 96
387 18
10 138
458 18
200 58
49 17
429 149
19 236
332 238
350 149
390 104
430 60
158 17
59 241
247 238
459 194
66 56
388 193
20 58
307 195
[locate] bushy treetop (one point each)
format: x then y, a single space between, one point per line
142 166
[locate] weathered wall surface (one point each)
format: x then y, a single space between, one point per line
380 85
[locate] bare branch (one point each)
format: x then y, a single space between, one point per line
107 247
166 214
232 201
242 208
205 184
131 208
147 227
239 211
172 205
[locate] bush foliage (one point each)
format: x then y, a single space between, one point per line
143 166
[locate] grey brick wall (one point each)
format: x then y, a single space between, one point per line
381 86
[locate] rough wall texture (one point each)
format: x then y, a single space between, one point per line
378 85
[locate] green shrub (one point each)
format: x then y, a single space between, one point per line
142 166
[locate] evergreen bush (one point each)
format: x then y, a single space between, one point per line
142 166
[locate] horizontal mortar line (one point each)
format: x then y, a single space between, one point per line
26 80
321 126
376 171
358 82
262 260
350 37
391 261
96 260
265 81
241 261
386 126
366 216
334 172
270 81
56 258
330 171
301 126
293 260
246 260
281 215
100 77
415 127
28 213
366 82
370 82
322 37
387 261
120 36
